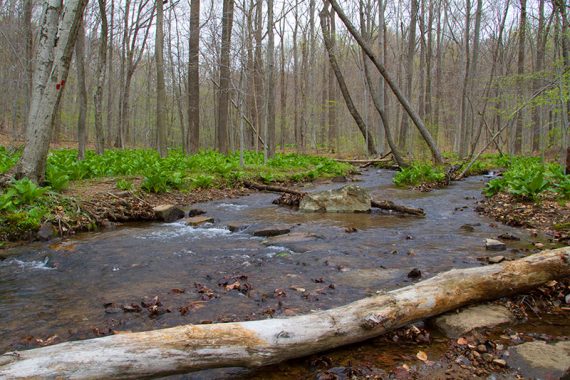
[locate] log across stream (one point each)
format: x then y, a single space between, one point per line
257 343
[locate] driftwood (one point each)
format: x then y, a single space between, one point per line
298 195
257 343
391 206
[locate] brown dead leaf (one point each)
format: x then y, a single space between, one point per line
422 356
462 341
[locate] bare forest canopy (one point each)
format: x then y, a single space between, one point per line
207 74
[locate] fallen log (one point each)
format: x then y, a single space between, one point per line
272 188
257 343
391 206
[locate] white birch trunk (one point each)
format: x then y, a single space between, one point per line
55 47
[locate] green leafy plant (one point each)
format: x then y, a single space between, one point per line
203 181
419 173
124 185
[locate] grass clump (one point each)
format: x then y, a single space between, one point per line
419 173
528 178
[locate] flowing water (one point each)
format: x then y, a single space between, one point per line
61 288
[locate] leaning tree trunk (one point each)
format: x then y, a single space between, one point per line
257 343
392 83
56 41
366 133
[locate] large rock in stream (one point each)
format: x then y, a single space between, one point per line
349 198
455 324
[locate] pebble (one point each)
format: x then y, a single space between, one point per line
482 348
496 259
488 358
500 362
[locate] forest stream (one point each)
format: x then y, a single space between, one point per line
77 288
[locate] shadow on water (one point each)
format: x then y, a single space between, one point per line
60 289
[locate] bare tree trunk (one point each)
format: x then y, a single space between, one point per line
332 95
182 349
29 35
82 99
110 87
404 144
224 92
160 85
258 71
366 133
176 79
194 79
537 83
517 147
283 87
100 80
390 81
270 125
55 48
461 143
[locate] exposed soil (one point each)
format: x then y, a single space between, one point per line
549 215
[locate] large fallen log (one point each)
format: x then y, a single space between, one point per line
257 343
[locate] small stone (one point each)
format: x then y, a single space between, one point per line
415 273
499 347
108 225
567 299
340 179
480 316
198 220
500 362
539 245
46 232
496 259
195 212
494 245
482 348
237 226
168 213
272 231
467 228
488 358
508 236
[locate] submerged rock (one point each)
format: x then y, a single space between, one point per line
494 245
349 198
168 213
46 232
198 220
455 324
291 238
541 360
272 231
496 259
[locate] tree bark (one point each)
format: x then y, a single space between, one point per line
160 85
82 98
390 81
55 48
257 343
100 80
270 124
517 146
366 133
224 92
193 135
403 142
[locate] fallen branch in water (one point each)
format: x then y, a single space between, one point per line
258 343
391 206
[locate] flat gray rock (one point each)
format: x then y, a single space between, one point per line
540 360
494 245
168 213
349 198
291 238
198 220
455 324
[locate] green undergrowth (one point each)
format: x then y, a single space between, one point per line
528 178
24 205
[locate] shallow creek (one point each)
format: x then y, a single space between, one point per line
61 288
